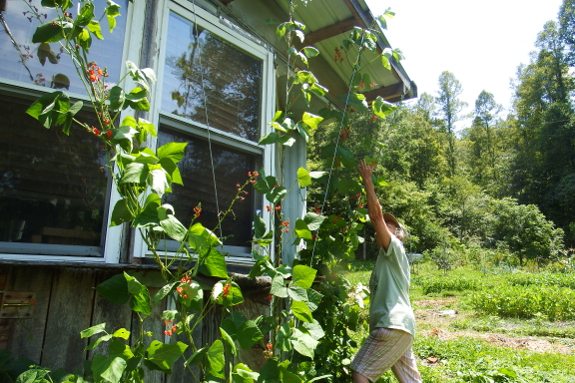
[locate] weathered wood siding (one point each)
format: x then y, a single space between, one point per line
66 303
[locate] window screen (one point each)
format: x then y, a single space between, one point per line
52 186
198 60
231 167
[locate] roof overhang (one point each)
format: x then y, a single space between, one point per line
327 22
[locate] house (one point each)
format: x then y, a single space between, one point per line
221 75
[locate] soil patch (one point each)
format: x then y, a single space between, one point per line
437 315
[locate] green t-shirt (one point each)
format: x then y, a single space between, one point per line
390 306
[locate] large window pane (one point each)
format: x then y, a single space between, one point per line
52 187
45 64
231 167
231 80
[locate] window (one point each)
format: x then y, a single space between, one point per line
44 64
54 189
212 97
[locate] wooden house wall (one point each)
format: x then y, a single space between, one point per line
66 303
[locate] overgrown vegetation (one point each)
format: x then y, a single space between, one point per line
478 344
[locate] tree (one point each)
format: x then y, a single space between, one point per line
483 140
450 107
567 29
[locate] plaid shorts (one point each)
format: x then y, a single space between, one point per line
387 348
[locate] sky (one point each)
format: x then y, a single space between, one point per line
481 42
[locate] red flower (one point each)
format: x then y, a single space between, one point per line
197 211
109 134
374 118
96 131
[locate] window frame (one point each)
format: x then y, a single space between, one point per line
219 27
114 237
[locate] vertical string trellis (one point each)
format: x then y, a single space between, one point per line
205 102
341 122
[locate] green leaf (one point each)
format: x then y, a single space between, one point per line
229 342
140 301
259 227
355 100
303 343
165 355
50 109
122 333
301 311
314 329
149 216
214 265
303 276
135 172
117 98
249 334
158 179
313 220
115 289
201 238
164 291
302 230
95 343
197 357
85 14
216 359
69 116
303 177
120 214
112 11
276 195
311 120
107 369
279 288
385 62
297 293
270 373
310 51
270 138
234 296
382 108
94 27
52 32
93 330
173 150
265 184
243 374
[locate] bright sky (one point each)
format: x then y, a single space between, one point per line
481 42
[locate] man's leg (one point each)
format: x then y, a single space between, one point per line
358 378
405 369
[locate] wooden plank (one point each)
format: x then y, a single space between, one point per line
70 312
114 315
180 374
388 93
27 335
154 324
331 30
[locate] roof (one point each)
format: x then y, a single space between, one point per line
327 22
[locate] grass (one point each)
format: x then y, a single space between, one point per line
477 347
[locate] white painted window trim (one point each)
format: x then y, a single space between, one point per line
215 25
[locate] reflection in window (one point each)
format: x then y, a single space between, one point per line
46 64
52 187
231 78
231 168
